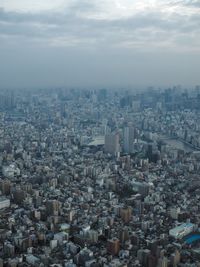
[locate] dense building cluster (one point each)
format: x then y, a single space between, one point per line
100 178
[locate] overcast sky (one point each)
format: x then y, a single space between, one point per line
98 43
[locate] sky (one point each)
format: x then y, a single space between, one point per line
99 43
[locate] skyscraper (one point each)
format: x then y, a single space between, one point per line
128 139
112 145
113 246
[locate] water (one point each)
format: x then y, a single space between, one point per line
192 239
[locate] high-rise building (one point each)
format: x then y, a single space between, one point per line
162 262
112 145
124 235
5 187
143 256
52 207
136 105
113 246
125 214
175 258
18 195
128 139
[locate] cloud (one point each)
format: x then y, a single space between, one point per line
188 3
91 24
32 5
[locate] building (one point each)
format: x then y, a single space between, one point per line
4 203
10 171
162 262
125 214
182 230
143 256
112 145
113 246
5 187
174 212
52 207
175 258
128 139
136 105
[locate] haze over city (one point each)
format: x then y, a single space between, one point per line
90 43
